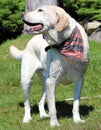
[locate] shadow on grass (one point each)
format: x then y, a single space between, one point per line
64 109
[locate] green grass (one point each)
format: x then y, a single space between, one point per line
11 95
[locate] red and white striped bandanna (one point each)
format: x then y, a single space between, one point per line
72 47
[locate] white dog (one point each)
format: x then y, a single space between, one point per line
65 59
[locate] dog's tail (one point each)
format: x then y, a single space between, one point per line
16 53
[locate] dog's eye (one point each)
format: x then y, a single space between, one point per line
40 10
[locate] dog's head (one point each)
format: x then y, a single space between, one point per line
46 18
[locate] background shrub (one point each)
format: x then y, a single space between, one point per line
10 18
10 14
82 9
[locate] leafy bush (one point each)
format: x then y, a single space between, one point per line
10 18
81 9
10 14
90 9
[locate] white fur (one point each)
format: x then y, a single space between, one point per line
53 66
33 58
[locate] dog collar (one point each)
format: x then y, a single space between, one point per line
72 47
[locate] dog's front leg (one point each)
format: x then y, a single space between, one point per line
77 91
51 102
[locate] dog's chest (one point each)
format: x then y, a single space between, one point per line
61 69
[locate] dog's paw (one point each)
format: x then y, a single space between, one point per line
79 121
27 119
54 123
44 115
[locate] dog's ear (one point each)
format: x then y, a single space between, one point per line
63 19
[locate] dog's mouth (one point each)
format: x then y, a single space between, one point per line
33 27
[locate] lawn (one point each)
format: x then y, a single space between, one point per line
11 95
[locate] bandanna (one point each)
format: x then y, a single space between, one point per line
72 47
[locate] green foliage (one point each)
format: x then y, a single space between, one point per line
90 8
10 18
81 9
10 14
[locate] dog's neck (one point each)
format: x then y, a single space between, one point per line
54 37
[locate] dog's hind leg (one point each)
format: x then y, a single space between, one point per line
42 111
29 66
77 91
